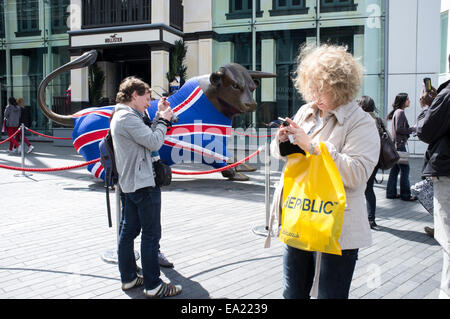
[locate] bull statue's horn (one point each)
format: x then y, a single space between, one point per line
82 61
260 75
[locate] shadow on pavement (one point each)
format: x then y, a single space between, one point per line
411 235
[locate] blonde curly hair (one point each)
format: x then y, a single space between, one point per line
328 69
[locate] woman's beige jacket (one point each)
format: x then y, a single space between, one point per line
352 140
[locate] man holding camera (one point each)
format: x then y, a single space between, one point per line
433 128
134 142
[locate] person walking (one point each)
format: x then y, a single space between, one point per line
368 105
134 142
329 78
433 128
24 120
12 118
400 132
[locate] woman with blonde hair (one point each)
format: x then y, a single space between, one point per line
329 79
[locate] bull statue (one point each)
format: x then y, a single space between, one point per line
204 106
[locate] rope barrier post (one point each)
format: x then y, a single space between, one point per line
22 151
110 256
264 230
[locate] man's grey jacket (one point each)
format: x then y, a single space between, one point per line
133 143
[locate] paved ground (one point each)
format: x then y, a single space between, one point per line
53 232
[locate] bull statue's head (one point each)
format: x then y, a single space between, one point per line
230 88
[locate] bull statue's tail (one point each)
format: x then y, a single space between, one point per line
82 61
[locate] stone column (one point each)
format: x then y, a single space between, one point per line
159 69
20 79
79 84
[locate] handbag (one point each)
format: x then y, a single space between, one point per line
163 173
4 126
389 155
424 192
313 203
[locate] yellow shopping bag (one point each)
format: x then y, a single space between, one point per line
313 203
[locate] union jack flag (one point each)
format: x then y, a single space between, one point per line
200 135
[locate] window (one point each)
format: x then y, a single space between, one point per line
287 7
60 15
2 19
444 34
337 5
28 18
103 13
242 9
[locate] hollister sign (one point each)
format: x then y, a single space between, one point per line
113 39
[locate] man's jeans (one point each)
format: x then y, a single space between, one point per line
142 210
405 188
335 276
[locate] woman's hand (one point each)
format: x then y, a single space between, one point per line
300 137
282 134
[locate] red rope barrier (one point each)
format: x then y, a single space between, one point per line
49 169
18 130
252 135
220 169
56 138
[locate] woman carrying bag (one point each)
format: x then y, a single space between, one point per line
400 133
329 78
12 118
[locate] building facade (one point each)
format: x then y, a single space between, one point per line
33 42
398 41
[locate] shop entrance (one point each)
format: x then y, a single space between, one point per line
138 68
123 61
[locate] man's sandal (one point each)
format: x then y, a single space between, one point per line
163 290
137 282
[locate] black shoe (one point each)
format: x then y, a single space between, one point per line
373 225
429 231
410 199
163 261
393 197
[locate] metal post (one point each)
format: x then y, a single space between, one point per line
22 151
264 230
22 147
386 58
254 52
318 22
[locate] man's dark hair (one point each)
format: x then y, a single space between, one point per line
128 86
367 103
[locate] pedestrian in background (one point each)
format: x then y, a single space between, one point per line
400 132
12 119
368 105
433 128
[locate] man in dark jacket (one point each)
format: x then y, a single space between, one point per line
433 128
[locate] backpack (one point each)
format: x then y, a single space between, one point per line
163 172
388 152
108 161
